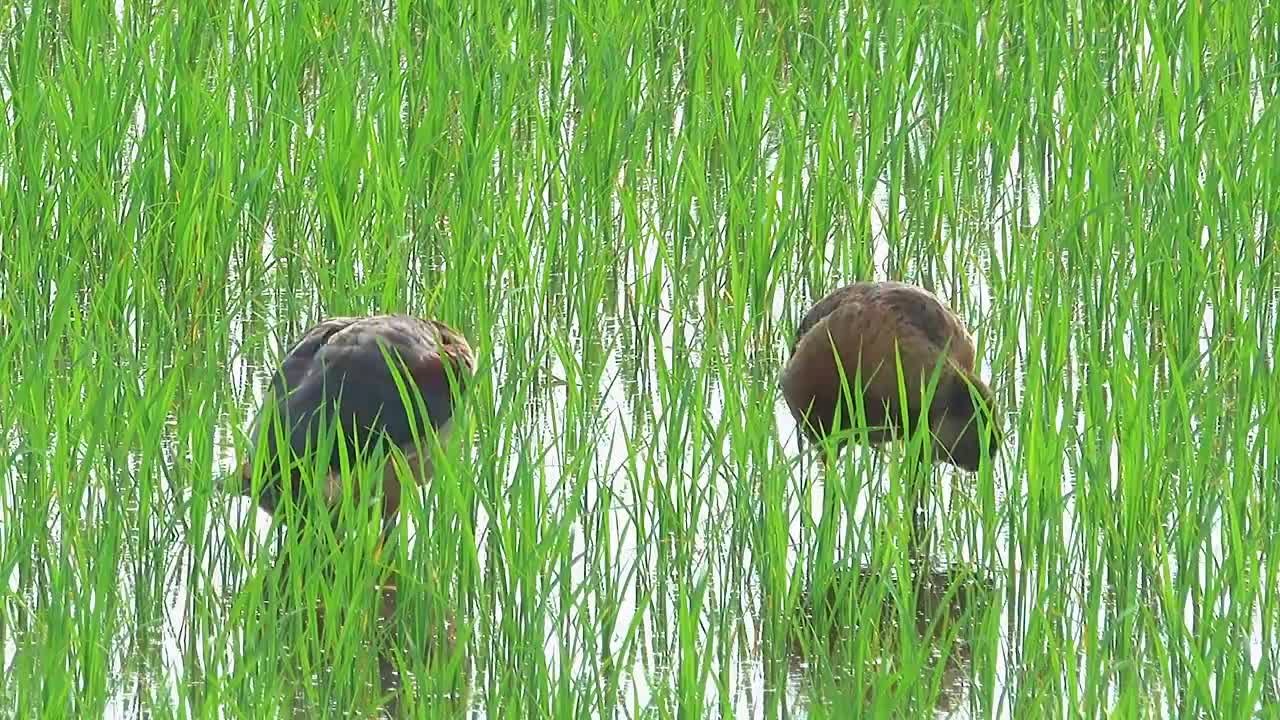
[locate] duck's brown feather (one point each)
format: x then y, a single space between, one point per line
345 370
865 331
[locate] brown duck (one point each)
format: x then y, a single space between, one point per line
858 328
339 371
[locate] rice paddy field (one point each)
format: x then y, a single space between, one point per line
627 208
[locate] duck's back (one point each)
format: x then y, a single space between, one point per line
340 371
872 327
908 308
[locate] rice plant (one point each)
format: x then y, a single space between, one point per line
628 208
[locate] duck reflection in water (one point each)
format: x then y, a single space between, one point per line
853 637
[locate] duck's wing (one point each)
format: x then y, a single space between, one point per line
932 322
362 370
297 365
827 305
869 330
345 371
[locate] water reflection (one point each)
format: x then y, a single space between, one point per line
390 648
863 636
414 631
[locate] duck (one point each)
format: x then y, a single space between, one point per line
344 369
864 330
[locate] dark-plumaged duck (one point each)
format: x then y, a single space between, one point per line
344 370
864 330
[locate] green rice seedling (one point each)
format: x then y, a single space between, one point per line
628 208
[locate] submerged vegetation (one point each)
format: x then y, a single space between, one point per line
627 208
